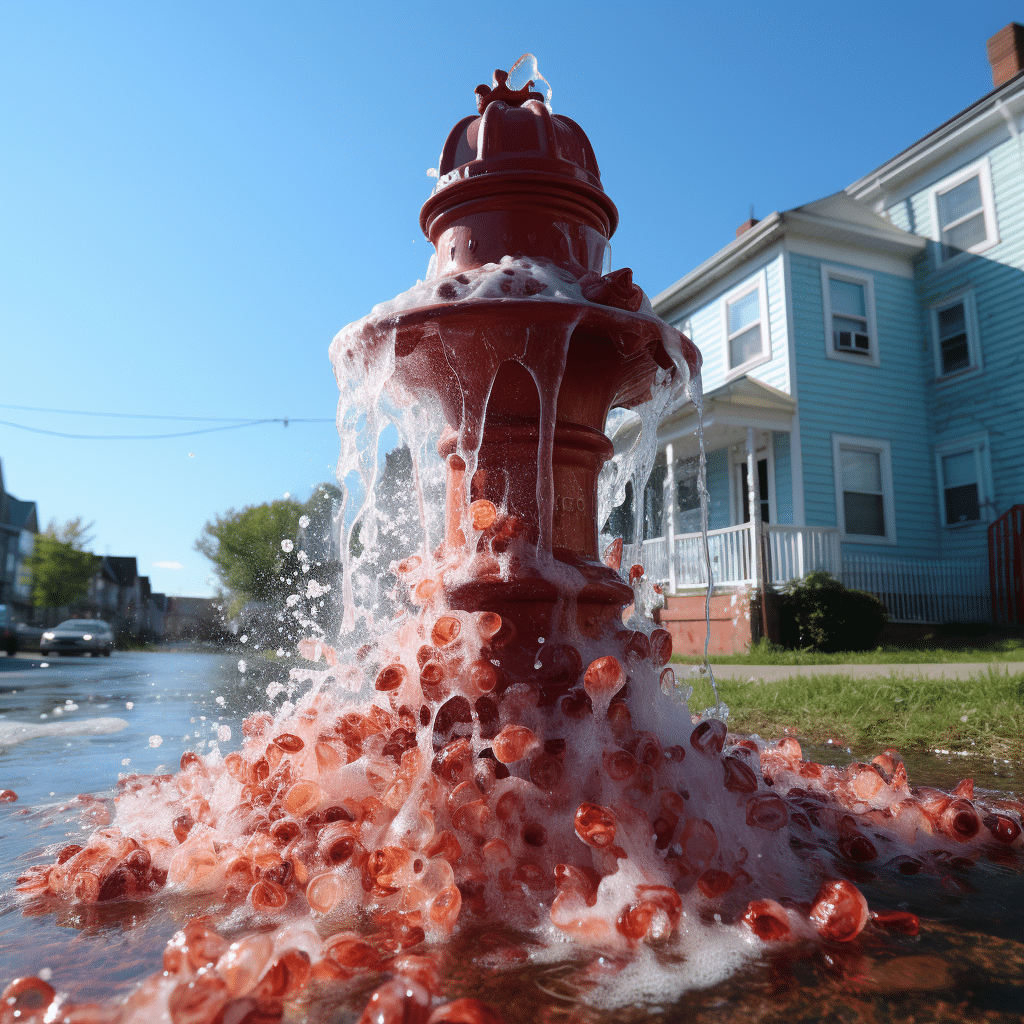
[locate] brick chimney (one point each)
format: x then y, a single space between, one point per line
1006 53
748 223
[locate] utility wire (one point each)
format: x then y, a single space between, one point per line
156 437
154 416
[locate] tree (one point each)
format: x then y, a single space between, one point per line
247 552
61 569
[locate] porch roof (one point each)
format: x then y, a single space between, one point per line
728 411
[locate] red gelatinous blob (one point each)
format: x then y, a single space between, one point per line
199 1000
399 1001
401 931
289 742
839 911
472 818
580 880
465 1011
767 920
390 677
408 565
482 514
286 976
302 798
266 896
634 920
181 826
1003 828
446 630
665 898
488 625
664 826
445 906
483 676
445 845
595 825
714 883
603 675
513 743
636 643
960 820
661 646
739 776
699 842
620 765
636 572
545 771
351 951
323 892
857 847
245 961
612 556
964 788
25 999
453 761
709 736
190 759
767 811
576 705
424 970
896 921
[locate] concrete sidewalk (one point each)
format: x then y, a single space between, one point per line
769 673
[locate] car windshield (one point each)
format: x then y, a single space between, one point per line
78 624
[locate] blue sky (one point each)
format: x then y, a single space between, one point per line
197 196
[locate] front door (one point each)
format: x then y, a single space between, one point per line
762 490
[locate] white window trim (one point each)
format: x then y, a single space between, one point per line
966 296
758 282
978 444
831 270
983 170
865 444
764 446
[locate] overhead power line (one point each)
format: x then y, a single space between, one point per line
157 416
156 437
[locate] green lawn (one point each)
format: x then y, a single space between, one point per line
943 649
983 714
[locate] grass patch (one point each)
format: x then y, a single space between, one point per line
946 650
983 714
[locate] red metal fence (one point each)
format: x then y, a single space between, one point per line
1006 566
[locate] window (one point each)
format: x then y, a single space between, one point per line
848 298
954 330
746 325
864 493
739 487
964 213
963 472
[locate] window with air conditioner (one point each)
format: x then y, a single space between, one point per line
848 298
964 213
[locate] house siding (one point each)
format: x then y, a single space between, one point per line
887 402
988 402
707 328
783 477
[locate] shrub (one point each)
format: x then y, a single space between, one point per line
818 612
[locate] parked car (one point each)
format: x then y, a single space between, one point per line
29 636
8 633
78 636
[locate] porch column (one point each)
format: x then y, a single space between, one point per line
754 506
669 505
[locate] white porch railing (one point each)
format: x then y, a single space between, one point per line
913 590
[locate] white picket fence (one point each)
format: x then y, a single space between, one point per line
913 590
923 590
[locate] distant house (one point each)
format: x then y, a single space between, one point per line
863 354
18 526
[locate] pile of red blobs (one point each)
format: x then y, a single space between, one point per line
493 777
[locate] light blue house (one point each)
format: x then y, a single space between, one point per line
866 353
